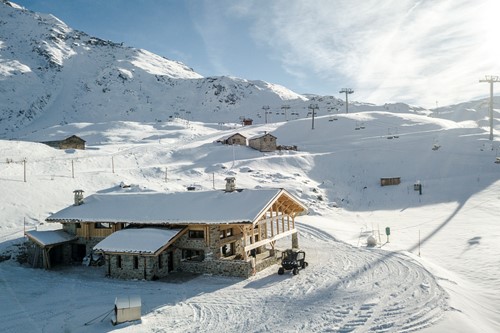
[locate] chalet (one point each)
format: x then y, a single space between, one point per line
148 235
264 143
235 139
72 142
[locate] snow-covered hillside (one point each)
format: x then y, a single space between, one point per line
438 273
51 72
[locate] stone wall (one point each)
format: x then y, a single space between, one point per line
70 228
264 143
267 262
237 268
148 267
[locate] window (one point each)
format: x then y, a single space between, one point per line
78 225
227 250
160 262
119 261
197 234
226 233
103 225
192 255
136 262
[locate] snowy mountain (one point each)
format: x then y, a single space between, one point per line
54 75
51 71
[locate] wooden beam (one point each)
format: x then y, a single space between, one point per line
268 240
282 223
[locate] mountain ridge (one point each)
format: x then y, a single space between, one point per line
48 67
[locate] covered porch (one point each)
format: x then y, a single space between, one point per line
49 248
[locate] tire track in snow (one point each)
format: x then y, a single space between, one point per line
344 289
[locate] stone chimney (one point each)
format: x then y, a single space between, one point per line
230 184
78 197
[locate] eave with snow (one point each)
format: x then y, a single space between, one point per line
230 232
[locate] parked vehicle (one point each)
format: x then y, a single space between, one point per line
293 260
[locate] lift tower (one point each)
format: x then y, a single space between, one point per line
491 80
347 91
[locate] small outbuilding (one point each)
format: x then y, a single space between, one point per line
72 142
235 139
264 143
247 121
48 248
127 309
390 181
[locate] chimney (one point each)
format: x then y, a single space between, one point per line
78 197
230 184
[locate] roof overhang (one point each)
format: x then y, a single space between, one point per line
50 238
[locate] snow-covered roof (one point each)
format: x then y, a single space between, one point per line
142 240
50 237
227 137
204 207
126 302
261 136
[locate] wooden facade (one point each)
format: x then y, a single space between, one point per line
390 181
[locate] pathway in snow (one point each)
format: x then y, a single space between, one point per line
344 289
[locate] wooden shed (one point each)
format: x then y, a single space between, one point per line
264 143
72 142
390 181
47 247
247 121
127 309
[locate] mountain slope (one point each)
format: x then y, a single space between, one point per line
56 75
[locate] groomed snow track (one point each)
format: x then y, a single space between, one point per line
344 289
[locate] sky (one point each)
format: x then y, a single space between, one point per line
425 53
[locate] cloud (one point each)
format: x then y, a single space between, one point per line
418 52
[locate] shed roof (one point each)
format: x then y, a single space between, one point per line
72 137
203 207
137 240
227 137
50 237
261 136
126 302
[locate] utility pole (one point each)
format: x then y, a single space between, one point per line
266 109
285 107
313 107
347 91
491 80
